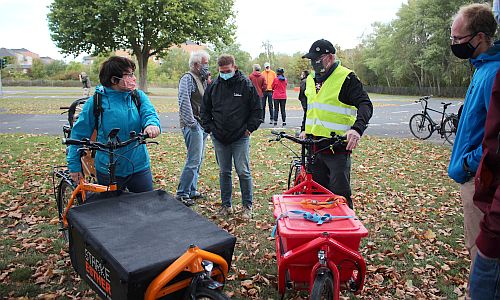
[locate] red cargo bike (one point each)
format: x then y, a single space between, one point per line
317 234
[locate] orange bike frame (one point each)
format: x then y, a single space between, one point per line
190 261
82 189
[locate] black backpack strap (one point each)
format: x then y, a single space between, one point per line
137 100
97 109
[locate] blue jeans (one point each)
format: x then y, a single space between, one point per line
136 183
239 151
485 279
269 97
194 138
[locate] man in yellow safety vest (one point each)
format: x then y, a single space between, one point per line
336 101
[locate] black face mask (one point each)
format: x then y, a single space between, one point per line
318 66
464 50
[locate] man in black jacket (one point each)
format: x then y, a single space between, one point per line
230 112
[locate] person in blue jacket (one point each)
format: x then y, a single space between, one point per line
472 34
133 171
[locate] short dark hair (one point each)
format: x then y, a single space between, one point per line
114 66
306 73
225 59
479 18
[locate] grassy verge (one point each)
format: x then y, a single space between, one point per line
401 192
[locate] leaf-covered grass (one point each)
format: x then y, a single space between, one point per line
400 189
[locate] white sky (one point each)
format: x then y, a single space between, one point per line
289 25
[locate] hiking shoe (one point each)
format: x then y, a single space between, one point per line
284 124
246 214
197 195
185 200
225 211
271 122
275 123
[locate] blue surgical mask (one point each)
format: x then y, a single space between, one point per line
226 76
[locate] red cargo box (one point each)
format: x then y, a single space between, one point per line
294 231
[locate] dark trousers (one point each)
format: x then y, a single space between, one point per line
333 171
304 104
139 182
268 96
279 105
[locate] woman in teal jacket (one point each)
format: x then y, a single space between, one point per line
133 169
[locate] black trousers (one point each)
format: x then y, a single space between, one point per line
279 105
333 171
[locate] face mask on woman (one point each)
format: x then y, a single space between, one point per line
127 82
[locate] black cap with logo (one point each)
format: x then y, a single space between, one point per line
319 48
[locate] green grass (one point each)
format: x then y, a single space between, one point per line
400 190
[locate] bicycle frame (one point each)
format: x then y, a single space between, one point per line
442 113
190 261
82 189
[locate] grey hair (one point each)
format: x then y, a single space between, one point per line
256 67
197 57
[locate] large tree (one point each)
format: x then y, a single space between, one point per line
145 27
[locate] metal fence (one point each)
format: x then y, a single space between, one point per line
73 83
451 92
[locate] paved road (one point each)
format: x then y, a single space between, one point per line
390 119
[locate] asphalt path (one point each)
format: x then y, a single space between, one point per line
390 119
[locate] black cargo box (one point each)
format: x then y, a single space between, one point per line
118 245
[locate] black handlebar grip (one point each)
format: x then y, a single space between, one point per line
71 142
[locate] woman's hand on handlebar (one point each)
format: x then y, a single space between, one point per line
302 135
152 131
353 138
76 176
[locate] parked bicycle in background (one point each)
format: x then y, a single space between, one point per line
422 125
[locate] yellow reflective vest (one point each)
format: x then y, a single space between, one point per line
325 112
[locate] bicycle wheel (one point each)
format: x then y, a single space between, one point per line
64 192
204 293
294 170
450 129
421 126
322 287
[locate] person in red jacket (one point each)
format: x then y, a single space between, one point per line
260 85
279 96
485 276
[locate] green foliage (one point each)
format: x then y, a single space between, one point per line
38 70
413 49
146 27
242 58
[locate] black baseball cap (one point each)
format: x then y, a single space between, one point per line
319 48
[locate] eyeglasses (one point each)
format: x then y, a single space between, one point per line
457 39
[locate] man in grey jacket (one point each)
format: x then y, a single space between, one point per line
192 86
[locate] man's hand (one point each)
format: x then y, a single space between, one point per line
152 131
76 176
353 138
247 132
302 135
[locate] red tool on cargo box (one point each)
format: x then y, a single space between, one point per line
317 234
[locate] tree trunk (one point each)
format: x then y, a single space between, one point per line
142 60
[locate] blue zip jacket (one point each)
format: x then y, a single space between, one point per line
119 111
467 149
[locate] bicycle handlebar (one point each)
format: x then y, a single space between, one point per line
110 145
334 139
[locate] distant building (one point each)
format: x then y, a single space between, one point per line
23 58
88 60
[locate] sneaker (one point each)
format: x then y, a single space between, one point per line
185 200
271 122
284 124
246 214
275 123
197 195
225 211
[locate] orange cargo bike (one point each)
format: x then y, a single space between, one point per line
133 245
317 235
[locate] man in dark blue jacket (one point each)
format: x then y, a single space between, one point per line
230 112
472 35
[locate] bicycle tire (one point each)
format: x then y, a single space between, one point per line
322 287
203 293
449 129
64 191
421 126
